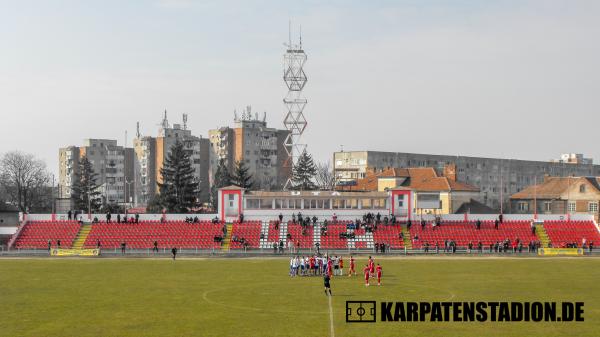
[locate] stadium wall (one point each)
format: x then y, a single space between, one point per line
266 215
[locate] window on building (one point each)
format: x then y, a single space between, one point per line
523 206
338 203
379 203
571 207
547 206
582 188
252 203
593 207
266 203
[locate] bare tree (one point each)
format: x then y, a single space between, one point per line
24 179
324 178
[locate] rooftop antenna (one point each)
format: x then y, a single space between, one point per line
137 129
235 116
165 121
264 116
185 117
125 139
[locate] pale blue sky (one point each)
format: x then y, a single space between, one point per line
514 79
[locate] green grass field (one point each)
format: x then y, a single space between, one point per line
256 297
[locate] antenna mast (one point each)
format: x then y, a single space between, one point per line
294 121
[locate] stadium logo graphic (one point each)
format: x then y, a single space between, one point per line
361 311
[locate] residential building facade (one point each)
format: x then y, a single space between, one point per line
496 178
433 194
152 152
113 165
559 195
260 147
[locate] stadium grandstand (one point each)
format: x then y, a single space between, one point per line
263 227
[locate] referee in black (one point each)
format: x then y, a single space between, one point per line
326 280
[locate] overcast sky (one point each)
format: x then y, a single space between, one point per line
518 79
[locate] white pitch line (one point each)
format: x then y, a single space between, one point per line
332 332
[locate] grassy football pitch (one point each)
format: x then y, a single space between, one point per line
256 297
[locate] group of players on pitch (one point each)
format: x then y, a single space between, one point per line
329 266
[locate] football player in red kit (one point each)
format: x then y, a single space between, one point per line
378 270
371 266
329 266
351 270
367 271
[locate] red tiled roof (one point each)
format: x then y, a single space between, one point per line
419 178
553 187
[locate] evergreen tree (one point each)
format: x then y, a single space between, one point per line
85 191
179 190
154 205
303 173
222 179
241 175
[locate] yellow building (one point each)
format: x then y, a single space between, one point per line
433 194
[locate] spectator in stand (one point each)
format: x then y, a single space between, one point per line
491 247
137 218
49 245
500 218
478 224
496 222
58 244
294 218
174 252
314 219
334 217
108 217
480 247
155 248
123 247
532 228
408 224
280 217
119 218
422 224
98 244
69 214
241 218
281 246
